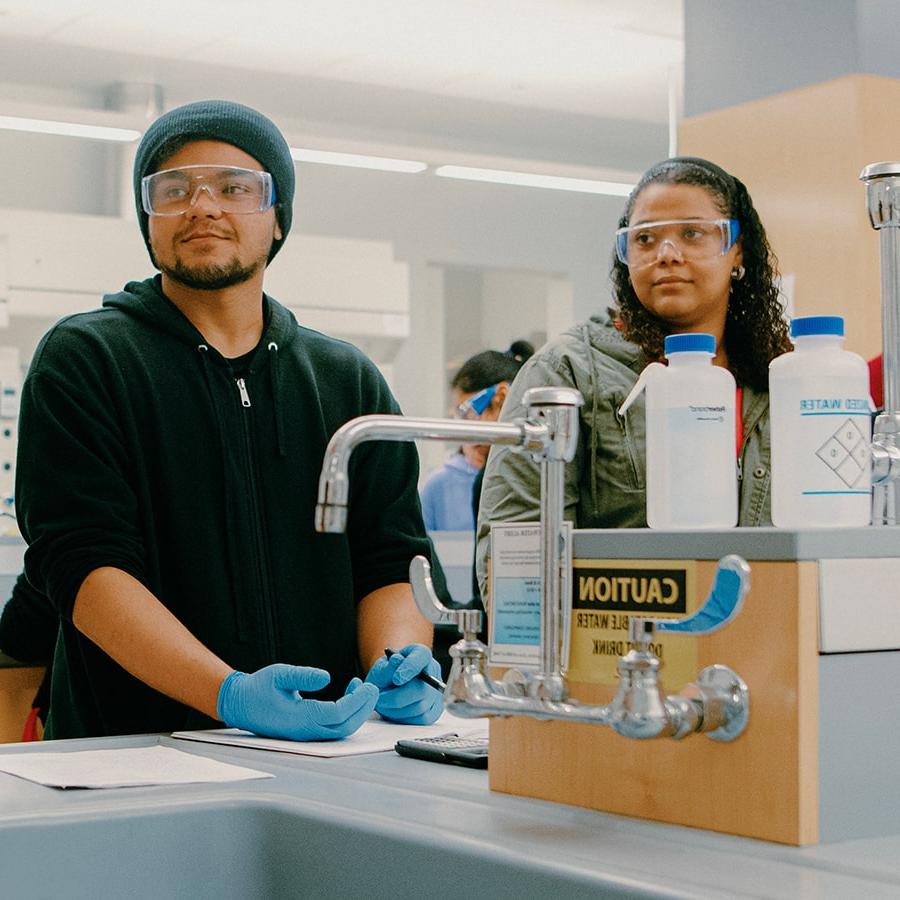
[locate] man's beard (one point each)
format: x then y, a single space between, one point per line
212 277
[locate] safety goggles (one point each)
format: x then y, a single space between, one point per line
691 239
234 190
477 403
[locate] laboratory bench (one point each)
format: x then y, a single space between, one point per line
380 825
566 810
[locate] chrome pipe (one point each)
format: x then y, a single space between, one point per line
552 476
882 181
889 239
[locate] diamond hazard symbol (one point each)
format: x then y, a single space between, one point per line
846 453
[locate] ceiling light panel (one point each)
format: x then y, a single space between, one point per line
68 129
358 161
529 179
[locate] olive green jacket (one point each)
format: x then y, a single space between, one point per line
605 485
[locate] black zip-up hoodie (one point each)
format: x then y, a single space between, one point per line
141 448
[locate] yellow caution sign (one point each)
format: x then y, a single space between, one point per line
605 592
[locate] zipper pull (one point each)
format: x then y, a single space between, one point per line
740 468
242 390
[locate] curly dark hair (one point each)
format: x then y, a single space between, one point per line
755 328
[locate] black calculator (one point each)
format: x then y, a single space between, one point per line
449 748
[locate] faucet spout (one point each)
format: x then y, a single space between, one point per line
334 482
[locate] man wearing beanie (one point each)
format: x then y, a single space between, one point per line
169 454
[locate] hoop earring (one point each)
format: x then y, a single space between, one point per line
738 273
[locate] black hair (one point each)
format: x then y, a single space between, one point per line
755 328
490 367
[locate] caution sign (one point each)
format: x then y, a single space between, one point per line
605 592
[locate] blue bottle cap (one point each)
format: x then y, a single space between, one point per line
801 326
681 343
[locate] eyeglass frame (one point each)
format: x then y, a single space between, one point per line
268 200
478 402
729 237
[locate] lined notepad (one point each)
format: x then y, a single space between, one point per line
375 736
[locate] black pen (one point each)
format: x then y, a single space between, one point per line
436 683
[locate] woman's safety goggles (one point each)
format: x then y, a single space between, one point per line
477 403
691 239
234 190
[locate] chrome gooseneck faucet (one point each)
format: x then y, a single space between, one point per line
882 182
718 704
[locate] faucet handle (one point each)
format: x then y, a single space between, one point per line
640 632
730 586
466 620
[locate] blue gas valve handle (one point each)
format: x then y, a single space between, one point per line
724 602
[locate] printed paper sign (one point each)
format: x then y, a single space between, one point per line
515 590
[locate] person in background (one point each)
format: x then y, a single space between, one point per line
876 381
691 256
169 453
479 388
29 625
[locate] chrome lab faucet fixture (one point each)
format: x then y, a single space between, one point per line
718 704
882 182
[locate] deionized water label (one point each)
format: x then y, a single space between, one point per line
830 455
821 470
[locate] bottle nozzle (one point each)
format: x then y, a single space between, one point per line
639 385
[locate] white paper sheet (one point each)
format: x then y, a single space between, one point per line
375 736
126 767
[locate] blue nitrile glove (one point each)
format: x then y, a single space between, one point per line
402 697
268 703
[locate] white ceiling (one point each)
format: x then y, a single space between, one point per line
599 58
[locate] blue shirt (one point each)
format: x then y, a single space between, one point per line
447 496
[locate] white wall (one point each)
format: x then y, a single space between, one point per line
514 306
427 220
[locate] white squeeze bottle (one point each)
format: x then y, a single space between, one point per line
821 429
691 437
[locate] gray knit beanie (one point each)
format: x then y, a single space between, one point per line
231 123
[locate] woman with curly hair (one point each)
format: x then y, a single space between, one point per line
691 256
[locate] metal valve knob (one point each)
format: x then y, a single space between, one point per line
468 621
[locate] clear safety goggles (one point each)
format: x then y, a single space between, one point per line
691 239
234 190
477 403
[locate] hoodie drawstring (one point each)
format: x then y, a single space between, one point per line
203 350
230 511
276 397
595 393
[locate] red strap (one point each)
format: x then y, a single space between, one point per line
876 380
739 418
31 733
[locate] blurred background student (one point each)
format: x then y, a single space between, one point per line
478 389
451 494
